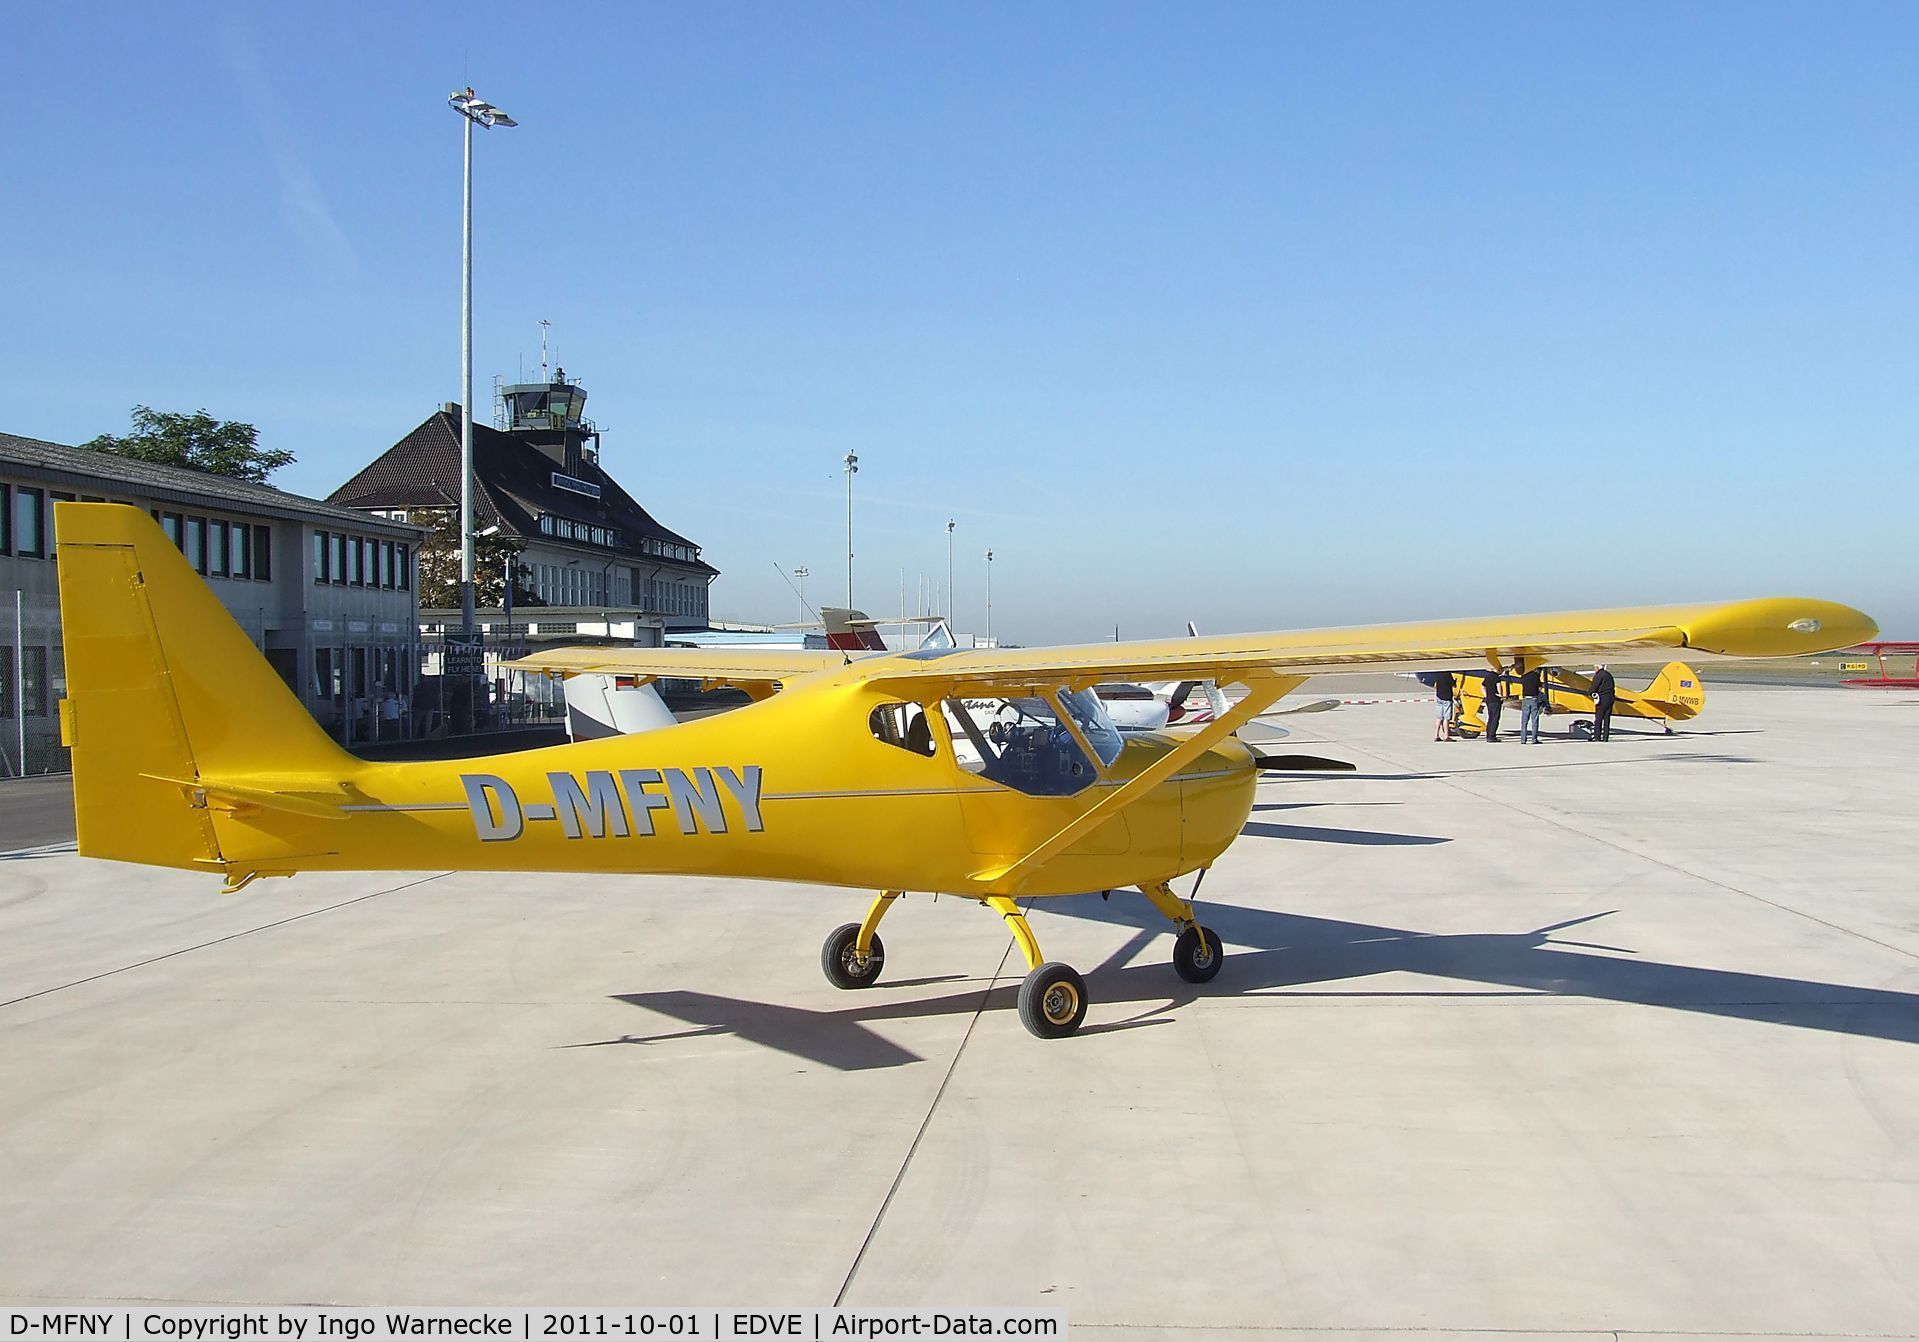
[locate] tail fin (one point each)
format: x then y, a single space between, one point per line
164 692
1678 690
851 630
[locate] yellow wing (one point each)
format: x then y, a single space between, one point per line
1768 627
714 666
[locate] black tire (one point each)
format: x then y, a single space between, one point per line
837 959
1052 1001
1197 955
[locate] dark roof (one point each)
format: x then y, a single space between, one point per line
514 486
78 465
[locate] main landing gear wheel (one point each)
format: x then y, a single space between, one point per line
1197 954
845 967
1052 1001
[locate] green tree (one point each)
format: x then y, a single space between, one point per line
440 566
198 442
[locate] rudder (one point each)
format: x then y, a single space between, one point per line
1678 689
163 691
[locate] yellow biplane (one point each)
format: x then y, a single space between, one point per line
1676 695
992 774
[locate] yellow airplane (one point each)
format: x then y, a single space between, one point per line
993 774
1676 695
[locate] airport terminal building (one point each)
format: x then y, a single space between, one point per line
591 551
327 593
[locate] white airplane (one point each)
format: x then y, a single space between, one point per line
600 705
1162 705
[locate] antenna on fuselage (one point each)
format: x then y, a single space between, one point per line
800 592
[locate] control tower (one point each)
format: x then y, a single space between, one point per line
552 417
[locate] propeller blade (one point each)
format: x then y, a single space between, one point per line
1303 763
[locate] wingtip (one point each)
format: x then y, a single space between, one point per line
1779 627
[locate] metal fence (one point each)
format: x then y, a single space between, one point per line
33 680
363 688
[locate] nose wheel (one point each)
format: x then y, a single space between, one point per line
1197 954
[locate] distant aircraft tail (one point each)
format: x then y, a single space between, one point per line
1678 690
166 697
851 630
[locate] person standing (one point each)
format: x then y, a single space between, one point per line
1532 692
1443 692
1603 695
1495 701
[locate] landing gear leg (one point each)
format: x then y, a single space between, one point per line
854 954
1052 997
1197 954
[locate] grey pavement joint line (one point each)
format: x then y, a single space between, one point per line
899 1176
1453 780
231 936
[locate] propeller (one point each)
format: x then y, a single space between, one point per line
1302 763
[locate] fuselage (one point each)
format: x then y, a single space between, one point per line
800 787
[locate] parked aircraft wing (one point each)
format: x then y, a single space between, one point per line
1765 627
717 666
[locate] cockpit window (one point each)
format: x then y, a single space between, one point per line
1022 744
902 725
1090 716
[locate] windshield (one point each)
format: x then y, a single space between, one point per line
1020 743
1093 721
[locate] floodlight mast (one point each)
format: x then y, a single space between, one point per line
473 111
852 469
989 600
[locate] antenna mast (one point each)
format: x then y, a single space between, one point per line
544 376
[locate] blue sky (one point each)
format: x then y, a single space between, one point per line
1259 315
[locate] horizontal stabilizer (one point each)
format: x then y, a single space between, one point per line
208 792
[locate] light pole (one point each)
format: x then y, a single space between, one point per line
949 568
989 600
473 112
852 469
802 573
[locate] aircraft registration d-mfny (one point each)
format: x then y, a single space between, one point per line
992 774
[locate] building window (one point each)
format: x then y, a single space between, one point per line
170 523
26 522
326 674
336 565
240 551
217 549
263 553
319 557
53 514
197 543
406 568
6 519
33 682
